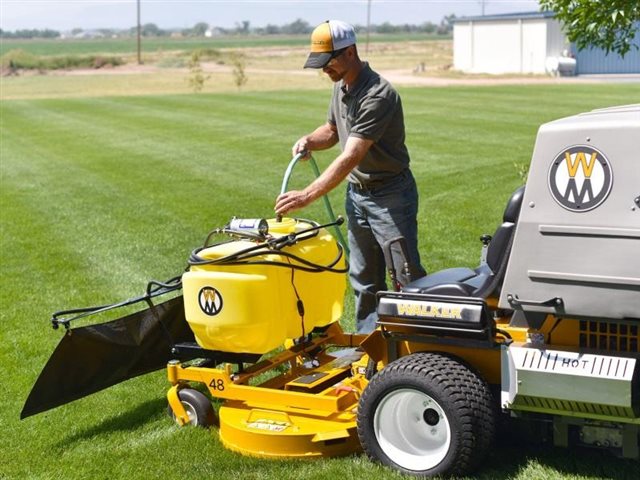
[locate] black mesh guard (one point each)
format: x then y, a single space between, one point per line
92 358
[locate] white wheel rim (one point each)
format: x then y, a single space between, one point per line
412 429
191 413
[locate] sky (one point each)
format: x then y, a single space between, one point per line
65 15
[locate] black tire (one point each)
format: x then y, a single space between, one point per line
198 407
427 414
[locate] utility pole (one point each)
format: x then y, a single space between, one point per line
366 51
482 2
139 33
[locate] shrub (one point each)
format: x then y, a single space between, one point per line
196 74
19 59
238 60
210 54
172 62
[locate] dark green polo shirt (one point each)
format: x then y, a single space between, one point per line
372 110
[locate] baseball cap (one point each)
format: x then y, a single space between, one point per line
327 38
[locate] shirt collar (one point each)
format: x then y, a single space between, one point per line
360 82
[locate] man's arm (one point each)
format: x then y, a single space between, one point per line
354 151
323 137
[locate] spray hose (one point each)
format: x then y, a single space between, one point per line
325 198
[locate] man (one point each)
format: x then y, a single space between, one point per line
365 116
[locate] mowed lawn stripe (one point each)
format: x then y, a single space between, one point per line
84 148
87 194
214 128
92 163
79 204
100 195
148 148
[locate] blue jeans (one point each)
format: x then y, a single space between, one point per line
375 216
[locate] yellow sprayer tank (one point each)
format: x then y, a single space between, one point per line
253 306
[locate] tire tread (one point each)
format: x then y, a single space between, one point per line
462 388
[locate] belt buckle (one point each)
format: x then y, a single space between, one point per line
360 187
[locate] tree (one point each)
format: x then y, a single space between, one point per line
271 29
152 30
196 73
199 29
428 27
297 27
30 33
386 27
446 24
611 25
239 62
243 27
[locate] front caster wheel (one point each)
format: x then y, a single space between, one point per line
426 414
198 407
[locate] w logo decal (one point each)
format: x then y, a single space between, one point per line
580 178
210 301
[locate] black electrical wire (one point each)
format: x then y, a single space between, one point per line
269 247
272 244
314 229
299 303
310 266
505 334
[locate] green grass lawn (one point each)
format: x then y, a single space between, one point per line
99 195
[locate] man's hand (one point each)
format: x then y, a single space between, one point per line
301 146
292 200
355 150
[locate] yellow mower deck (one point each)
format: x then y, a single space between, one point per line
307 411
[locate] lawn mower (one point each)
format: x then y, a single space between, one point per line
543 332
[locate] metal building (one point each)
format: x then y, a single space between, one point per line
596 60
529 43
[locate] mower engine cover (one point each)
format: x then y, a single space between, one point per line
576 250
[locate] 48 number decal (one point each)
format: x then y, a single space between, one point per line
217 384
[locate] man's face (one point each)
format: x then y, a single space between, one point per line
337 67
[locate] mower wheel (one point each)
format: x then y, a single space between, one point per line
426 414
198 407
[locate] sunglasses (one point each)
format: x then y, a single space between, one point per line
334 56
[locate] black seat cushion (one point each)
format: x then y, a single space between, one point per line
486 278
499 244
448 276
512 211
459 281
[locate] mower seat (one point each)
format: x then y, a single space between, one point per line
485 279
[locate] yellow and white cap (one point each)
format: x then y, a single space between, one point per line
327 38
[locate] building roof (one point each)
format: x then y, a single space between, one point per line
506 16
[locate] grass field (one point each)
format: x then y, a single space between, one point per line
269 67
99 195
151 45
